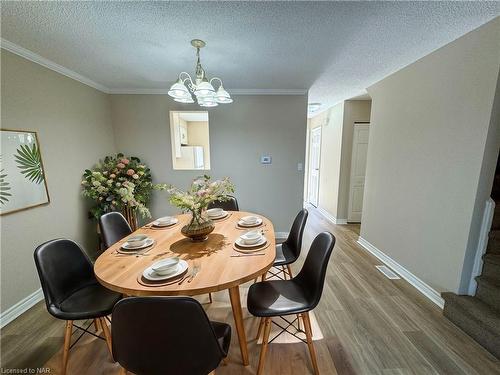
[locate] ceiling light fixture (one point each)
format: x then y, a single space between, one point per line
204 92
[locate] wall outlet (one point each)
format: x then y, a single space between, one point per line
266 159
300 166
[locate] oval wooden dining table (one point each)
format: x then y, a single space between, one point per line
220 265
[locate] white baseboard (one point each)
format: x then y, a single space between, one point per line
281 235
332 219
22 306
421 286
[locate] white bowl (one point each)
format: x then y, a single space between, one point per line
165 220
165 266
251 237
249 219
137 240
214 212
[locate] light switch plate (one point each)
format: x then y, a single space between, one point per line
266 159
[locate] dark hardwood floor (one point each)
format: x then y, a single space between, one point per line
371 325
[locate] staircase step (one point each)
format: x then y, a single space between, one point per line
493 242
496 218
488 291
491 266
475 318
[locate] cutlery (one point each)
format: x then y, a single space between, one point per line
184 278
246 255
196 269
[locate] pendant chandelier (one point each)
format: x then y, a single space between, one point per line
204 92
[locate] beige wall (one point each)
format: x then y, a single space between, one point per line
73 122
239 134
199 135
354 111
427 144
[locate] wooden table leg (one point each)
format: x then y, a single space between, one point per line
234 295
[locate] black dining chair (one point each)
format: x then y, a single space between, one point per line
298 296
113 227
288 251
231 204
71 290
167 335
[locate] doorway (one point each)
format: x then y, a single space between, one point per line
358 170
314 157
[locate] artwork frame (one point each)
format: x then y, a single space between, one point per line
29 161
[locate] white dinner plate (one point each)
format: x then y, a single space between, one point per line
221 216
241 243
126 245
241 223
151 275
156 223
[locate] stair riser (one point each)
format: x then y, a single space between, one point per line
496 220
493 246
489 341
489 295
491 270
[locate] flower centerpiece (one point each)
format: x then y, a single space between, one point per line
202 192
120 183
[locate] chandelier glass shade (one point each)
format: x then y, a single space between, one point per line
201 90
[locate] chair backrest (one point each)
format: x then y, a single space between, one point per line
313 272
294 240
113 228
63 267
164 335
228 205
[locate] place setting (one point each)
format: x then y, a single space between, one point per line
164 272
250 221
138 244
163 223
250 244
217 214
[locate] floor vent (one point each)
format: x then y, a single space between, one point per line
388 272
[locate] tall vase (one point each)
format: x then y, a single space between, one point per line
131 217
199 227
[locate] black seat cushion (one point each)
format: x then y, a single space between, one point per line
284 255
278 297
89 302
167 335
300 294
223 334
69 285
289 251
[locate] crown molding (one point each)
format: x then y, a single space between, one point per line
231 91
267 91
36 58
138 91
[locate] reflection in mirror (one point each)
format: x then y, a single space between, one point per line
190 140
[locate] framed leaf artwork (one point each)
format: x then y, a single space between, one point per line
23 183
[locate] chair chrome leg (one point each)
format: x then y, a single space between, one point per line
312 352
67 342
284 272
289 271
107 335
263 350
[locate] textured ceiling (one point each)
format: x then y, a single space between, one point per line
334 49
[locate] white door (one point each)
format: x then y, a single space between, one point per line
358 169
314 160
